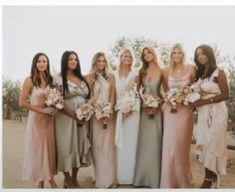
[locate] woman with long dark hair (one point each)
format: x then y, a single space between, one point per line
39 159
149 148
72 142
212 121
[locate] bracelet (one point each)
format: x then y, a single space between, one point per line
211 100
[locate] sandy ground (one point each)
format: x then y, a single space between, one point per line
13 144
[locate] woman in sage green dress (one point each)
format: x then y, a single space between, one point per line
148 159
72 142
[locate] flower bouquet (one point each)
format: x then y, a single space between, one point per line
185 95
54 98
174 96
149 101
102 111
129 102
84 112
192 94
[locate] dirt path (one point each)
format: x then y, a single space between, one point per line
13 143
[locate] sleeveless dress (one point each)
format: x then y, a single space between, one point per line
39 157
211 128
103 148
72 141
148 159
126 133
177 136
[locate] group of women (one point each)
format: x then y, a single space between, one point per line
134 149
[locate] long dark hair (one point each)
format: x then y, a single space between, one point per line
35 72
208 51
76 71
145 65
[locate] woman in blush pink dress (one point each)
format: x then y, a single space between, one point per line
39 158
211 127
178 127
102 87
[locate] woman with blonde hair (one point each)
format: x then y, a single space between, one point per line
178 127
102 85
127 125
148 158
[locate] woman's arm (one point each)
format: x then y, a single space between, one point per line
164 80
25 94
224 89
112 98
66 110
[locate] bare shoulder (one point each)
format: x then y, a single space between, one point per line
28 82
222 73
111 77
165 71
89 78
191 67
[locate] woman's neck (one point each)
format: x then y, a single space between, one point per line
124 70
152 64
101 72
69 72
178 66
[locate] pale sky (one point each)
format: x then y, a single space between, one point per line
88 29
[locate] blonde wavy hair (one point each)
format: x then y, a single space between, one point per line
124 51
94 71
172 64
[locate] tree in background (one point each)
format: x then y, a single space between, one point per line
10 96
137 44
228 65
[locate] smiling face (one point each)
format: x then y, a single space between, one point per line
101 63
177 55
201 57
148 55
72 61
126 59
42 63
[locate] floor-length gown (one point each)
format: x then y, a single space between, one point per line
127 128
39 158
177 136
148 158
103 148
211 128
72 141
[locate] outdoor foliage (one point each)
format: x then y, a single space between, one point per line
136 45
10 96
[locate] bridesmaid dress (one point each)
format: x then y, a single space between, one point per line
211 128
103 148
72 141
39 158
177 136
148 161
126 134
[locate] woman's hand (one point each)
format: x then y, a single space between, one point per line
49 111
151 110
127 114
198 103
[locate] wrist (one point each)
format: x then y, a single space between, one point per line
211 100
